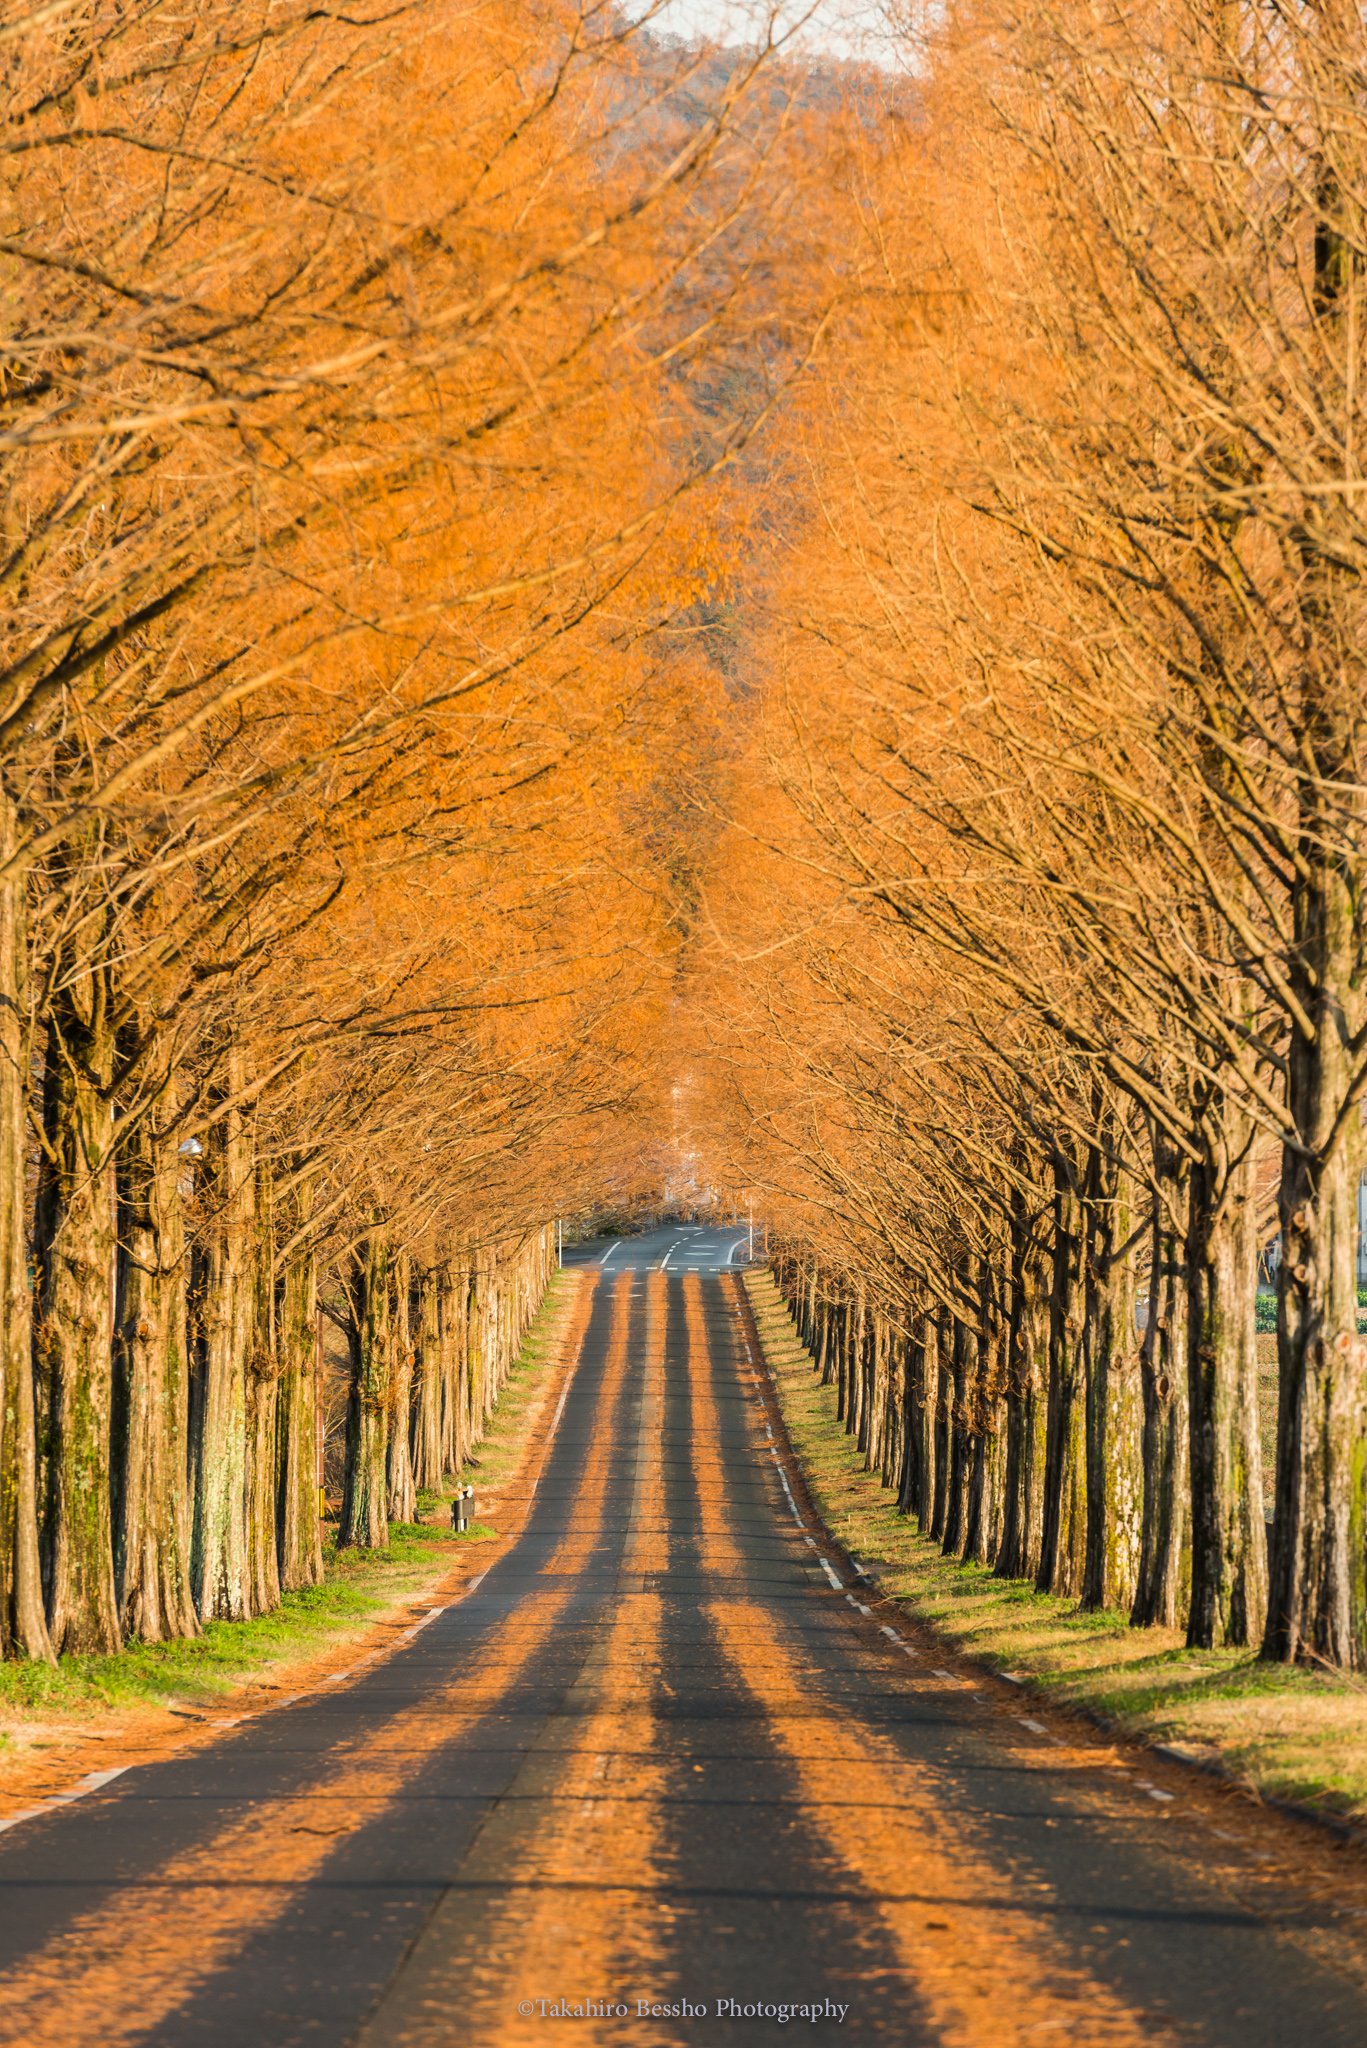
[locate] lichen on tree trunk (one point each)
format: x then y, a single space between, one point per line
364 1523
401 1495
1063 1515
151 1386
1113 1397
23 1622
298 1520
1027 1374
1317 1605
1228 1534
222 1321
74 1242
1164 1555
427 1453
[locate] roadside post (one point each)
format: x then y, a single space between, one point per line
463 1509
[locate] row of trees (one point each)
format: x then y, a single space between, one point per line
1038 1007
364 378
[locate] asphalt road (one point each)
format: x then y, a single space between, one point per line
658 1758
674 1248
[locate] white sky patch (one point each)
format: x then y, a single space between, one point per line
836 28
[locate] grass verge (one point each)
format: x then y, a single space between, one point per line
359 1588
1288 1734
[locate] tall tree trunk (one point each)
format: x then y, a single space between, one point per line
1164 1554
152 1387
364 1522
1063 1520
1115 1484
984 1489
1228 1531
896 1370
298 1520
477 1347
925 1394
1026 1402
427 1460
402 1495
263 1402
860 1349
1317 1607
222 1319
74 1330
23 1622
984 1397
875 1369
842 1363
455 1345
943 1412
911 1493
960 1472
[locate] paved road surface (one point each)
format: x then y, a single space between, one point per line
656 1756
673 1248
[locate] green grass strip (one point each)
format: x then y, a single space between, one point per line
357 1586
1290 1733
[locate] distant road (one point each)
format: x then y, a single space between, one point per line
668 1754
675 1248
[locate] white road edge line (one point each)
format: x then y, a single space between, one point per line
92 1782
792 1504
838 1584
609 1252
29 1813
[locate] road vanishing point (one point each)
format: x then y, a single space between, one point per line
668 1773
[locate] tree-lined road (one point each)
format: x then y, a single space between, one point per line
660 1755
673 1248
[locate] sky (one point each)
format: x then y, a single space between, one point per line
840 27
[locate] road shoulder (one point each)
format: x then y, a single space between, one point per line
96 1715
1279 1735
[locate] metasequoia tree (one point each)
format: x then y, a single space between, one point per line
1063 726
1212 505
355 476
